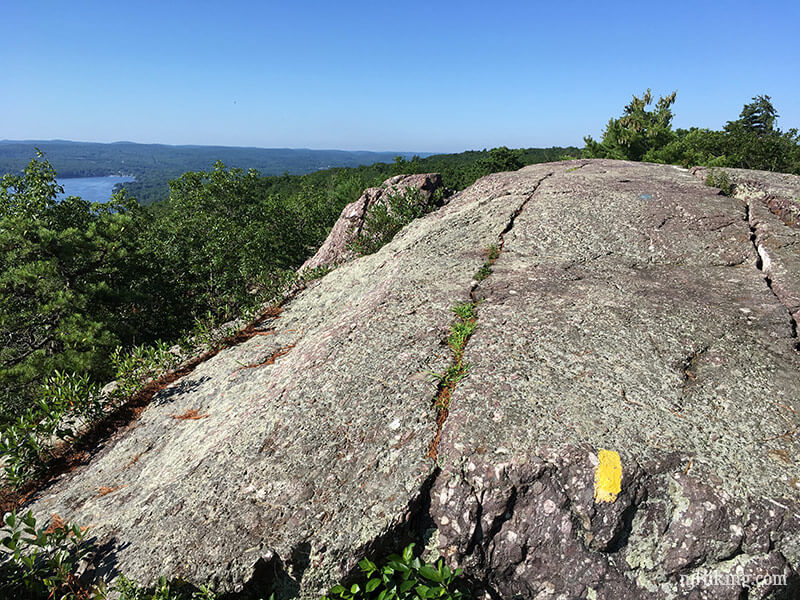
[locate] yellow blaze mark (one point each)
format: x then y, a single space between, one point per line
608 476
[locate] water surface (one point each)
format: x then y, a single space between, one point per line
94 189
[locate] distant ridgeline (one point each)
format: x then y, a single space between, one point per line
153 165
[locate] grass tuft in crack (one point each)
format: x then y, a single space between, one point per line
492 252
460 331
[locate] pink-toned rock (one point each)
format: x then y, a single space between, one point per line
335 249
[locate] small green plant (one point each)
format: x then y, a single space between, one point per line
163 590
457 340
401 577
315 273
459 334
492 253
384 220
38 563
483 272
449 378
138 365
720 179
463 328
65 402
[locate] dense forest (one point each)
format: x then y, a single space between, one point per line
154 165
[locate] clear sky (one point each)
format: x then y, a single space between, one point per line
412 76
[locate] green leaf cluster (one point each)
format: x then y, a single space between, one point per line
637 131
163 590
401 577
37 563
384 219
492 253
65 403
68 404
44 564
752 141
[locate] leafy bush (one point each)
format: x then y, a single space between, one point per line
692 147
65 403
385 219
720 179
402 577
45 563
163 590
134 367
501 159
40 563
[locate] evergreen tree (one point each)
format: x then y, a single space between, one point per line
64 280
637 131
758 117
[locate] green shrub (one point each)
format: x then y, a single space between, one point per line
163 590
384 220
483 272
720 179
68 403
401 577
133 368
64 404
40 563
492 253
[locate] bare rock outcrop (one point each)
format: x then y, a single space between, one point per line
631 308
336 247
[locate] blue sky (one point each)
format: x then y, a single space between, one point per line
413 76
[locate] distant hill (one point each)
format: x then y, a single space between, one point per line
154 165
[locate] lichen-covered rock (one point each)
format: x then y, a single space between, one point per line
631 309
336 248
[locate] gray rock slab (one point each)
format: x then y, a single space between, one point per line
336 248
631 309
317 455
628 311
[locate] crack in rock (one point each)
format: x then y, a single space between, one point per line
445 389
764 264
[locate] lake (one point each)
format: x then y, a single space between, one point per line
94 189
